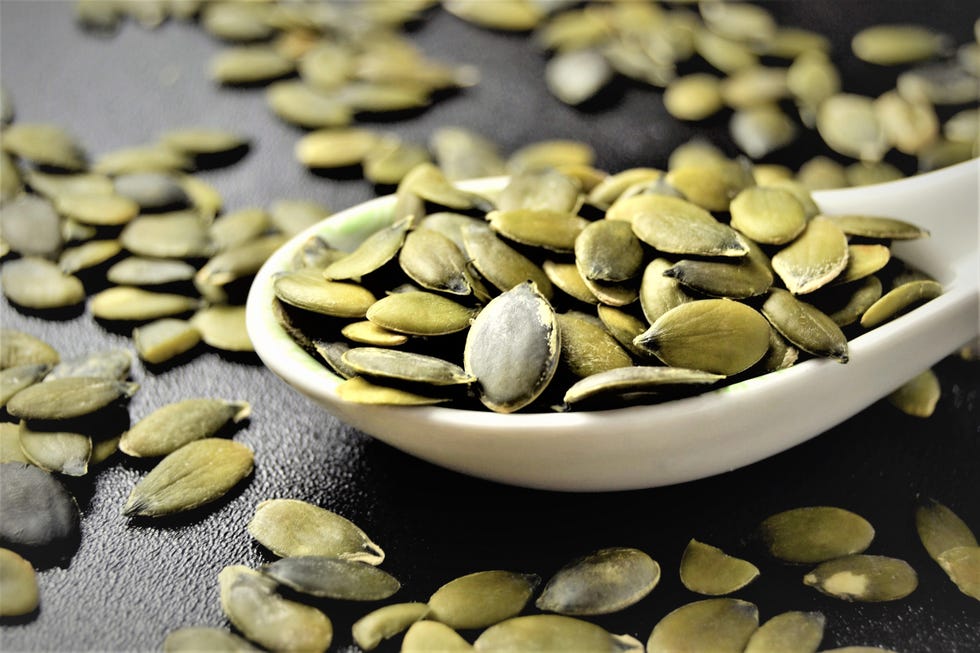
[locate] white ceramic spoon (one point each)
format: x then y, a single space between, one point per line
684 439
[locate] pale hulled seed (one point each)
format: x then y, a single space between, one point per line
790 632
44 144
203 638
19 348
962 565
170 427
815 534
481 599
335 148
893 44
386 622
249 65
15 379
602 582
918 396
139 271
68 398
56 451
301 104
88 255
97 209
693 97
814 258
424 636
105 364
719 625
940 529
141 158
37 283
18 585
223 327
860 577
161 340
706 569
849 125
577 76
761 129
31 227
181 234
126 303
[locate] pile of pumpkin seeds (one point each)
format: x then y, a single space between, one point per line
570 290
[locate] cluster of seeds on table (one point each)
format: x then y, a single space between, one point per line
565 289
320 554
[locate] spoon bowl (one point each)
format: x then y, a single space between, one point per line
682 439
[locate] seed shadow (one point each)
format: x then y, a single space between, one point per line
346 173
156 369
21 619
212 161
60 314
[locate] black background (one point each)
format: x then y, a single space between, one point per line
130 583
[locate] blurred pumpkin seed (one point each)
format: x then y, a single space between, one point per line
462 154
942 83
139 271
918 396
505 15
18 585
577 76
805 326
45 145
552 632
815 534
723 54
391 159
790 632
237 262
908 126
15 379
822 173
18 348
31 227
37 283
719 625
544 189
602 582
739 22
811 79
893 44
254 64
169 427
202 638
87 255
428 182
942 153
963 127
182 234
38 512
864 174
424 636
549 154
300 104
238 227
327 66
11 183
768 215
940 529
849 125
386 622
693 97
197 141
900 299
97 209
332 578
706 569
761 129
152 191
307 289
127 303
335 148
754 86
481 599
142 158
711 185
161 340
204 197
56 451
868 578
606 192
105 364
962 565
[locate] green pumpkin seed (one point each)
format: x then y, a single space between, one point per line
18 348
394 366
237 23
938 83
197 141
909 126
706 569
290 528
97 209
31 227
676 226
790 632
38 513
316 253
144 158
139 271
768 215
462 154
15 379
172 426
303 105
369 333
392 159
435 262
68 398
625 381
624 327
877 227
428 182
237 262
291 216
849 125
335 148
942 153
762 129
863 261
607 191
724 54
161 340
602 582
546 190
718 625
250 601
307 289
44 144
500 264
223 327
568 279
38 283
424 636
56 451
238 227
864 578
481 599
864 295
18 585
780 355
754 86
659 293
607 250
386 622
714 335
815 534
181 234
865 174
376 250
693 97
940 529
900 299
420 314
811 79
513 348
11 183
249 65
201 638
327 65
506 15
332 354
109 364
577 76
711 185
587 348
889 45
87 255
805 326
552 632
918 396
127 303
814 259
748 277
549 154
332 578
821 173
196 474
359 390
962 565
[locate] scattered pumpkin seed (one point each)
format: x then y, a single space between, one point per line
97 209
706 569
335 148
676 226
898 300
332 578
909 126
223 327
51 185
693 97
44 144
790 632
31 227
940 529
18 348
424 636
549 154
577 76
386 622
56 451
602 582
172 426
761 129
462 154
506 15
126 303
106 364
161 340
587 348
68 398
815 534
718 625
607 250
11 183
88 255
195 141
864 578
892 44
863 296
376 250
918 396
391 159
15 379
849 125
139 271
37 283
877 227
18 585
552 632
181 234
38 513
481 599
962 565
249 65
193 639
141 158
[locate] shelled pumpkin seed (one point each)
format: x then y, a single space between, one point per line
386 622
602 582
18 585
333 578
918 396
161 340
706 569
862 577
709 625
815 534
170 427
423 636
204 638
481 599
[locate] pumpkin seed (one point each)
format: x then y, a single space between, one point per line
88 255
392 365
481 599
307 289
759 130
428 182
676 226
31 227
963 127
202 638
44 144
587 348
864 578
693 97
170 427
435 262
624 381
552 632
197 141
909 126
877 227
739 22
768 215
462 154
303 105
577 76
391 159
814 258
97 209
139 271
369 333
386 622
181 234
754 86
714 335
108 364
863 296
602 582
249 600
291 216
863 261
940 529
423 636
549 154
942 153
335 148
567 277
18 348
18 585
381 97
724 54
849 125
237 262
127 303
56 451
142 158
11 183
223 327
611 188
607 250
196 474
811 79
500 264
889 45
718 625
38 513
821 173
805 326
68 398
918 396
249 65
506 15
51 185
815 534
659 293
545 189
15 379
37 283
711 185
420 314
358 390
161 340
706 569
513 348
238 227
749 277
896 301
962 565
376 250
289 528
624 327
791 632
332 578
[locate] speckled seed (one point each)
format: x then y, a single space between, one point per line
962 565
88 255
386 622
250 601
31 227
607 250
37 283
172 426
394 366
848 125
223 327
68 398
706 569
863 295
141 158
359 390
97 209
624 381
805 326
44 144
426 636
195 474
568 279
481 599
299 103
37 510
500 264
376 250
587 348
332 578
249 65
105 364
182 234
815 534
814 259
194 639
158 341
513 348
19 348
307 289
135 304
602 582
15 379
552 632
335 148
940 529
139 271
748 276
898 300
714 335
918 396
719 625
18 585
435 262
868 578
56 451
877 227
768 215
893 44
289 527
676 226
420 314
788 632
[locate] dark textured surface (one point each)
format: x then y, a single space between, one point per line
130 582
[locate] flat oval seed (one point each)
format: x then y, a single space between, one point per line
577 75
659 293
307 289
182 234
196 474
289 527
434 262
153 191
759 130
568 279
44 144
237 262
805 326
19 348
864 578
552 230
18 585
376 250
706 569
849 125
462 154
126 303
917 397
540 189
51 185
888 45
332 578
600 583
717 625
676 226
814 259
420 313
61 452
711 185
369 333
640 378
862 297
158 341
31 227
481 599
513 348
508 15
748 276
335 148
552 632
815 534
359 390
238 227
38 513
88 255
549 154
37 283
863 261
714 335
68 398
768 215
202 140
500 264
587 348
144 158
788 632
869 226
910 126
391 159
693 97
172 426
97 209
108 364
405 366
426 636
201 638
962 565
250 602
139 271
898 300
223 327
940 529
386 622
607 250
249 65
301 104
15 379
